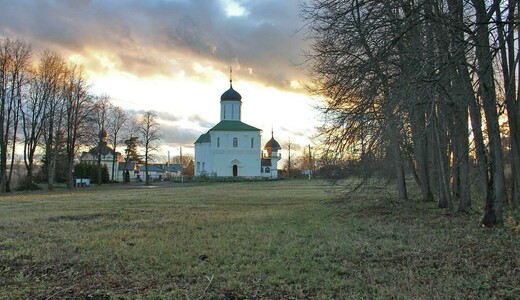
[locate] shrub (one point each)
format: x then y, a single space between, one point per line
85 170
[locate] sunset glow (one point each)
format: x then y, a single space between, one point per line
173 57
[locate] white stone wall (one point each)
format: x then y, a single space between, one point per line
274 164
224 155
203 161
230 110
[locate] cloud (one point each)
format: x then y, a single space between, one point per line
199 121
175 135
173 130
165 37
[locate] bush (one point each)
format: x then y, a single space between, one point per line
24 186
85 170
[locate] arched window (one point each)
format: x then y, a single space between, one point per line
232 112
198 167
235 142
252 142
218 142
203 166
267 170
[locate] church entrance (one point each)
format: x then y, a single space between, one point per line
235 170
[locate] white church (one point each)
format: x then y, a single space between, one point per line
232 148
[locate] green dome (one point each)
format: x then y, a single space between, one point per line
231 95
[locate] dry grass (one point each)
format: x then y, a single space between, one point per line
281 240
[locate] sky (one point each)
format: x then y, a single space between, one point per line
173 56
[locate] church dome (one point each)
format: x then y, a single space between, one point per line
273 144
231 95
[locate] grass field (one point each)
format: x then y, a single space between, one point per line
268 240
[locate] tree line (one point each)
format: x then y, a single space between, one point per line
428 87
47 107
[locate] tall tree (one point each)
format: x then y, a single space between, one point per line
509 61
487 92
353 64
78 106
51 70
34 114
407 74
130 136
118 118
100 118
150 134
14 62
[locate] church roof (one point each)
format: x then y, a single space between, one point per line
105 150
173 168
152 168
273 144
231 95
130 166
203 138
227 125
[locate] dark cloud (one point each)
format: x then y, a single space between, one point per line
165 36
174 135
167 116
161 115
199 121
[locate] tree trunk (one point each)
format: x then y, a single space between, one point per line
460 98
420 139
70 175
114 158
147 180
509 61
395 154
488 93
478 138
442 172
462 158
29 178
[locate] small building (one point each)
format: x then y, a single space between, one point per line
155 173
129 169
173 170
270 158
107 155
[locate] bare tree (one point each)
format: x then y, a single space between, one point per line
406 76
118 118
14 62
130 137
34 113
150 134
353 63
78 106
487 92
509 62
291 149
51 70
100 113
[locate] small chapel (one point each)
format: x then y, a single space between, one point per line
232 148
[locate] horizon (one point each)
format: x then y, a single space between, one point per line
173 57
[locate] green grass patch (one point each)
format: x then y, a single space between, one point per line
267 239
